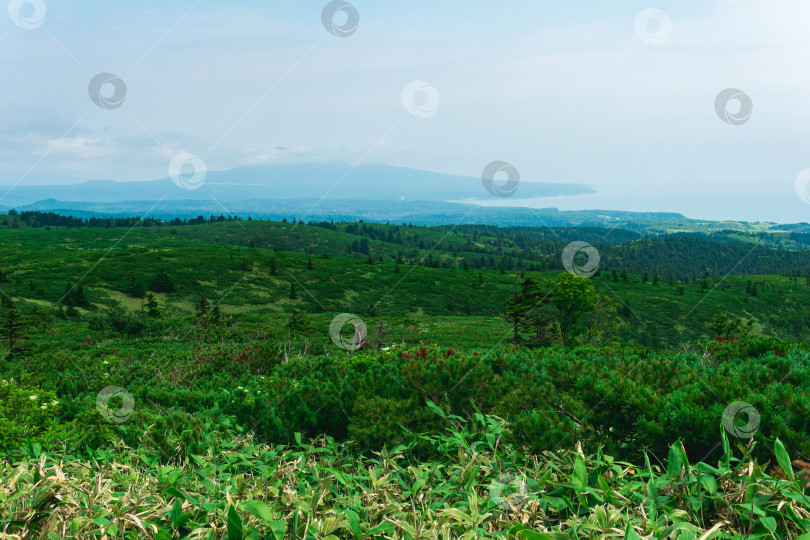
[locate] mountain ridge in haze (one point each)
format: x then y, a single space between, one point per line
334 181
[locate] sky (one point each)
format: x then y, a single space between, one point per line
619 95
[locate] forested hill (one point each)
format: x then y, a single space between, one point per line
680 257
668 289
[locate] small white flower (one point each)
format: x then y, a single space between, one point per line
54 402
32 398
44 407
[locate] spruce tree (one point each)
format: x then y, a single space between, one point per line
530 322
216 314
13 331
135 288
201 307
152 306
161 283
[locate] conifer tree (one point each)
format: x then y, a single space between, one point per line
525 311
216 314
152 306
13 331
201 307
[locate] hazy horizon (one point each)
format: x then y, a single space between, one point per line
644 104
710 206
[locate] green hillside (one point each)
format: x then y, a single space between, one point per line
413 273
197 358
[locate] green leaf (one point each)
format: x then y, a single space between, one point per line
435 408
770 524
652 499
176 512
798 497
709 483
674 462
234 524
580 476
77 523
520 531
354 522
750 492
783 458
683 526
385 527
725 461
279 529
260 510
630 532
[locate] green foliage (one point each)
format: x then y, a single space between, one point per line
151 306
161 283
135 288
14 332
212 387
116 321
573 297
27 412
299 321
74 296
461 481
527 313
